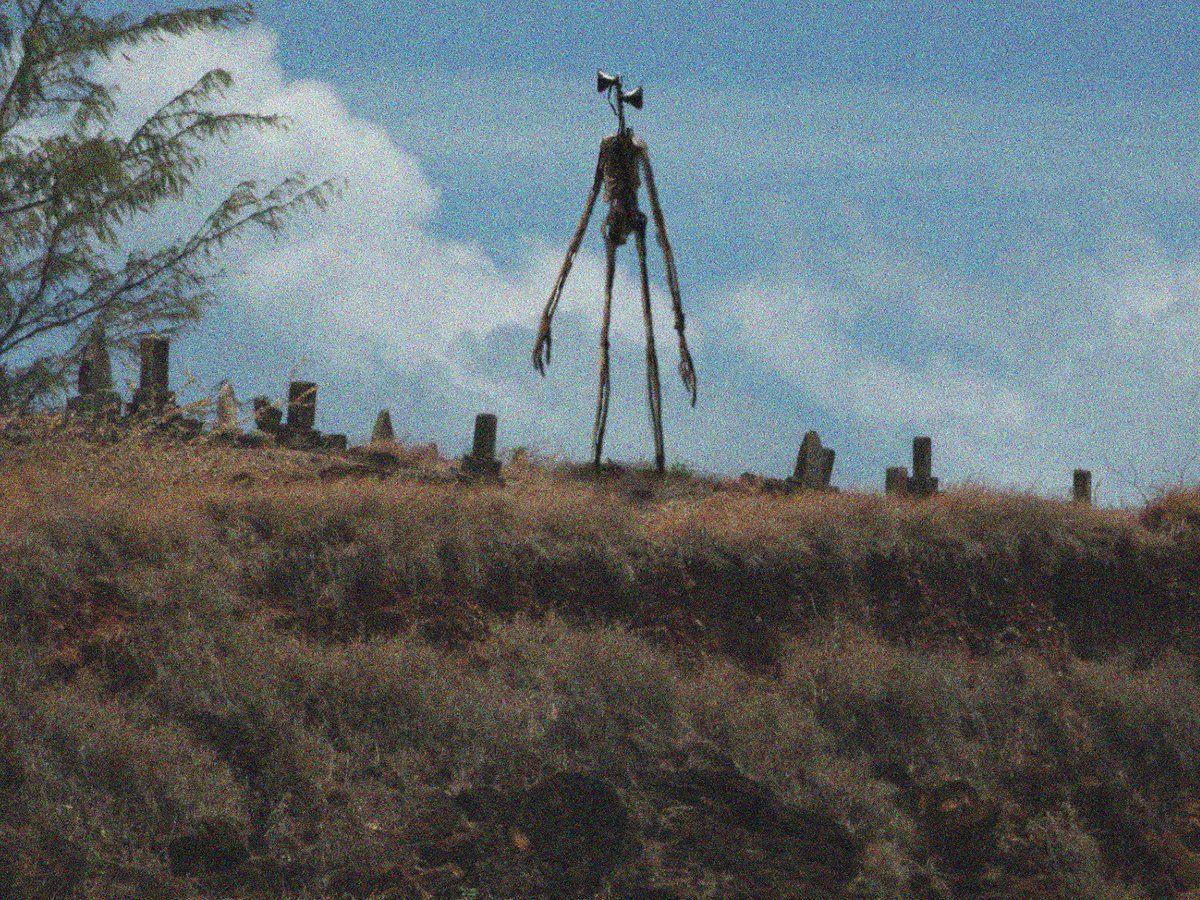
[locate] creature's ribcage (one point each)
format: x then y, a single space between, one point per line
621 180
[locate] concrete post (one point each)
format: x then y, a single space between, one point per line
484 446
481 462
1082 486
153 394
302 406
383 433
897 480
828 456
923 483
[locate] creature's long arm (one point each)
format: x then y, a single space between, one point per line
541 349
687 371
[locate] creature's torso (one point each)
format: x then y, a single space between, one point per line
619 157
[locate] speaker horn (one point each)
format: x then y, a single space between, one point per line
633 98
604 81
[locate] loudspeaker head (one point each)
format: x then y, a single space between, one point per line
604 81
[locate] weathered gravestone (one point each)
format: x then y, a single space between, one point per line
299 431
1081 488
96 399
481 462
828 458
302 406
227 410
922 483
382 433
268 418
814 465
153 396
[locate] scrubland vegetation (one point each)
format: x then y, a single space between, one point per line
236 672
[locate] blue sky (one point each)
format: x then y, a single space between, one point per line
970 220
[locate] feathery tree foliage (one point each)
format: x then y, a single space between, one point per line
72 189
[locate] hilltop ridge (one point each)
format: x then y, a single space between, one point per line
264 672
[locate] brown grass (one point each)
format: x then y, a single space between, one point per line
709 566
242 672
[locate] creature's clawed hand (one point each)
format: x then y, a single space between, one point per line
687 371
541 349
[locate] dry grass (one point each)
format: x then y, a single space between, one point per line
710 566
259 673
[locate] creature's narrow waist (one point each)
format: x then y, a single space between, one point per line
623 222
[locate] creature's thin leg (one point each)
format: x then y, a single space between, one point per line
654 387
610 249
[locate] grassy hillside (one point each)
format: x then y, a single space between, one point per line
236 672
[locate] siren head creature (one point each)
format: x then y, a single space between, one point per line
622 157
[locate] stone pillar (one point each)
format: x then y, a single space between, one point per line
383 432
156 366
153 394
828 457
1082 486
481 462
814 465
808 462
268 418
96 395
923 483
302 406
897 480
95 369
227 410
484 445
922 459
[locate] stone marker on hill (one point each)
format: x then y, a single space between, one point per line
298 431
153 396
302 406
96 395
1082 486
95 367
922 483
828 458
227 410
382 432
268 418
814 465
481 462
